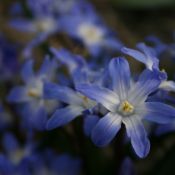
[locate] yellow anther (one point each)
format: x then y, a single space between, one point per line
163 70
85 99
33 93
126 107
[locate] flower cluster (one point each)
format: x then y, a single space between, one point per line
93 99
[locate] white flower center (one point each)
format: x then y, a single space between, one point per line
33 92
90 33
17 156
35 89
46 24
86 102
126 108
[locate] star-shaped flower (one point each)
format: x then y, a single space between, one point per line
127 104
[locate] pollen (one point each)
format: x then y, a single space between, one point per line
85 99
33 93
126 108
163 70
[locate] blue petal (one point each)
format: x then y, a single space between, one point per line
127 167
94 49
10 143
165 128
45 66
151 59
33 43
62 93
65 164
48 68
102 95
147 57
148 51
106 129
89 122
27 71
135 54
63 116
159 112
159 46
120 74
148 82
39 120
80 76
70 60
23 25
18 94
112 43
34 114
6 167
167 85
136 132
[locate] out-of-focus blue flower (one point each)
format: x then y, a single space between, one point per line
68 59
5 165
60 7
127 104
78 68
81 73
65 164
9 63
48 162
16 9
127 167
91 31
42 27
43 24
162 48
6 119
158 45
16 158
31 95
77 104
27 159
164 129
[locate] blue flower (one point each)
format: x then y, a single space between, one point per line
48 162
80 73
127 104
127 167
66 164
91 31
9 63
43 24
78 68
5 165
60 7
42 27
35 108
158 45
77 104
16 156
